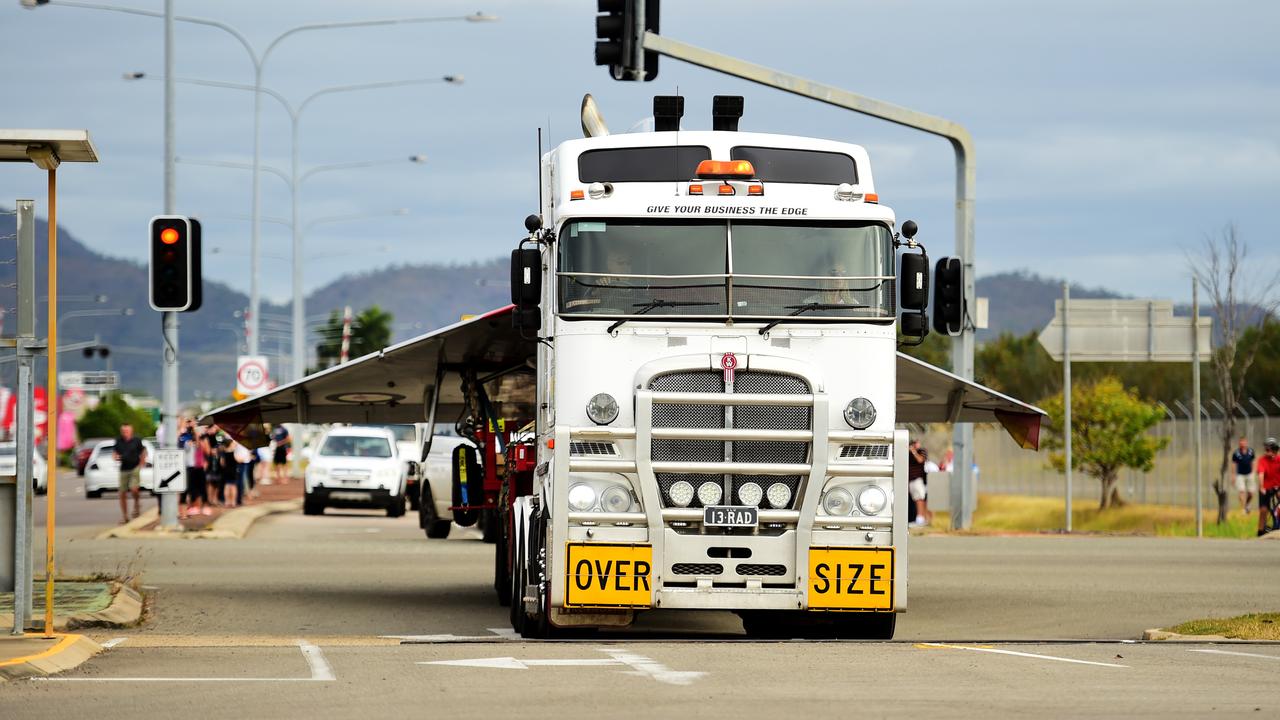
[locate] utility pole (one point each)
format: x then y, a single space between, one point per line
168 500
1195 402
1066 388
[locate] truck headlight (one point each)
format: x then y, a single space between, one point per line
750 493
872 499
582 497
602 409
860 413
615 499
680 493
778 495
709 493
837 501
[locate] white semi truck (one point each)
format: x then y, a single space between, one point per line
696 399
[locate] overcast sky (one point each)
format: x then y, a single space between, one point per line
1110 135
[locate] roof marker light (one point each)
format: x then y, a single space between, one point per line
725 169
695 188
872 198
755 190
576 195
726 189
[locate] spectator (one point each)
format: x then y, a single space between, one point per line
213 473
1268 483
130 455
948 459
917 480
280 457
244 473
1246 483
193 445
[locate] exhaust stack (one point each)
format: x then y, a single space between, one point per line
592 121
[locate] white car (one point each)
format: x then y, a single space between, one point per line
102 472
357 466
9 466
409 440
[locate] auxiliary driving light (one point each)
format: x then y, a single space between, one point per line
602 409
680 493
837 501
582 497
709 493
750 493
872 499
860 413
615 499
778 495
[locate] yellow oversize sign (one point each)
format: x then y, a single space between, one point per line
851 578
609 575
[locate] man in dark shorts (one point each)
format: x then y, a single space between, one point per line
1246 483
280 458
130 455
916 482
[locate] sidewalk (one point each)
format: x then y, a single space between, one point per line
222 522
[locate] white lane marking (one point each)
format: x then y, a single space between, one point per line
510 663
320 669
1240 654
1022 654
442 638
504 633
642 665
113 642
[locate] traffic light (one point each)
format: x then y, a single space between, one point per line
175 264
618 27
948 296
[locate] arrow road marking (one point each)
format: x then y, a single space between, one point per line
638 664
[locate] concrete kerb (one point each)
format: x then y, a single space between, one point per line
36 656
232 525
125 610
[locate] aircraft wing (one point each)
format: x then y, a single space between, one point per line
928 394
394 385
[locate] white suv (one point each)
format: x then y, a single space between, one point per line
357 466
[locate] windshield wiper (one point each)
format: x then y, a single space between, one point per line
654 305
801 309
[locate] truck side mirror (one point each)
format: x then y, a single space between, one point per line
913 282
914 325
526 277
948 296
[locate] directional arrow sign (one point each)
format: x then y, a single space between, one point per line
169 471
1126 331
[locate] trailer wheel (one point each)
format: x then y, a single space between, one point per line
518 617
501 571
490 525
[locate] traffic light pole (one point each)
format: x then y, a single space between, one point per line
961 142
168 500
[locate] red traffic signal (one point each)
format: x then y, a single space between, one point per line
174 277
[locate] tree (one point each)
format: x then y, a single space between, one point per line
935 350
1109 425
112 412
1018 366
1241 301
370 331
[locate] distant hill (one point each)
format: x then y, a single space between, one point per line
421 297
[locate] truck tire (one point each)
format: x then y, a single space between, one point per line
395 506
518 617
312 505
490 525
468 485
431 523
415 499
866 626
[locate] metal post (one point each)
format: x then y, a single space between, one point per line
1195 403
23 588
635 43
251 321
1066 389
168 500
966 178
1266 420
299 303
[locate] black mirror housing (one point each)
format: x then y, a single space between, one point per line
526 277
526 319
913 282
914 325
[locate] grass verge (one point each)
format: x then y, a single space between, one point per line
1027 514
1258 626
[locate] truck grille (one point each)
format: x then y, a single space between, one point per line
757 569
754 417
868 452
697 568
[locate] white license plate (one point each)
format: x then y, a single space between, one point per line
730 516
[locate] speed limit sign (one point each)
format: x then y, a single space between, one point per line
251 374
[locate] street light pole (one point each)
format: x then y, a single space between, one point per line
168 500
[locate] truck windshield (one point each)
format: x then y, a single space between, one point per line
722 269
